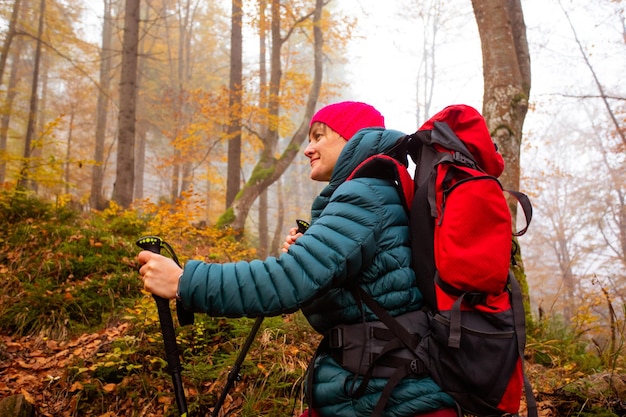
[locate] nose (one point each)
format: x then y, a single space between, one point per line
309 151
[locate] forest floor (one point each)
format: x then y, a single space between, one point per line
32 366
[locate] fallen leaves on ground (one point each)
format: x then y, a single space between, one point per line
31 365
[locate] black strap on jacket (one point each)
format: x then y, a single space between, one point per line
405 339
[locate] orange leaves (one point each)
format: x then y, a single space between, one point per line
76 386
109 387
29 365
27 396
94 244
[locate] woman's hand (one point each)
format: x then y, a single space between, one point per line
160 274
291 238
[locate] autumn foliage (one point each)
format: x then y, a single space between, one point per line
78 336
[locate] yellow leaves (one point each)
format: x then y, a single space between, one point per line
181 224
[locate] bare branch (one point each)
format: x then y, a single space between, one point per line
586 96
620 132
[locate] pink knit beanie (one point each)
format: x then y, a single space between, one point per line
348 117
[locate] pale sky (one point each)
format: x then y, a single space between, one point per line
386 60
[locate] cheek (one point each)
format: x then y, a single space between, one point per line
333 154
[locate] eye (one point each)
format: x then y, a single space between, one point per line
315 137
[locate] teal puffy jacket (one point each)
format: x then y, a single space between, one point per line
359 233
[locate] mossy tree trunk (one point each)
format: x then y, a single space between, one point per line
506 72
270 167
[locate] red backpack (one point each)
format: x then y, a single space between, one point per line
462 245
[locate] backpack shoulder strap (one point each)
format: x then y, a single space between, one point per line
387 167
527 207
517 306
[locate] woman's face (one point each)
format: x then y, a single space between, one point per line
323 150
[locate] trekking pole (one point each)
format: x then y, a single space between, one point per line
155 244
234 375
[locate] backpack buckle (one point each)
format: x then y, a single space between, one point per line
417 367
463 159
335 338
475 298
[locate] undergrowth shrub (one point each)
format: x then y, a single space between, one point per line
63 274
552 343
178 224
66 272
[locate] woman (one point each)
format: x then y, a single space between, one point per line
358 237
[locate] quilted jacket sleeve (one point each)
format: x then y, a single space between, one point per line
336 247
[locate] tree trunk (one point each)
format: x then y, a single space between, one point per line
279 234
425 80
9 38
8 108
125 175
68 149
140 159
233 177
24 181
506 73
262 249
97 199
40 123
141 125
269 168
181 167
184 67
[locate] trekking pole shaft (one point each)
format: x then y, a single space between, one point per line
234 372
171 352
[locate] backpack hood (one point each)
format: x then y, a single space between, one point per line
471 128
